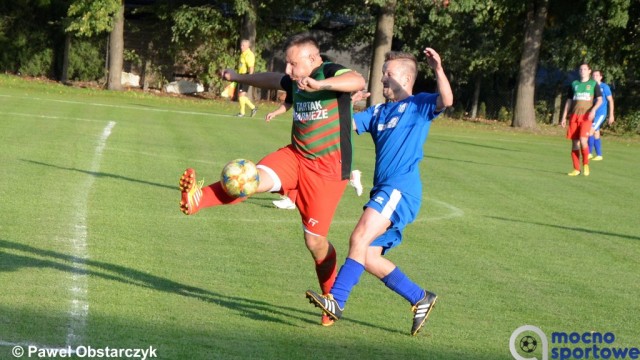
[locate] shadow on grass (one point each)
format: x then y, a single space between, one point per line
59 261
181 340
495 165
479 145
572 228
263 200
99 174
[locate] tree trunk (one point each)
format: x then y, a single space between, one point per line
146 66
381 45
64 77
248 32
557 108
116 50
248 27
524 114
476 98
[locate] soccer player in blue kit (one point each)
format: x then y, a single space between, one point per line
399 129
606 108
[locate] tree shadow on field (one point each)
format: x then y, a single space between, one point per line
33 257
263 200
479 145
494 165
588 231
99 174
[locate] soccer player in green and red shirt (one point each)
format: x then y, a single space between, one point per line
583 100
317 162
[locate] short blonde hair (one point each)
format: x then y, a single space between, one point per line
409 62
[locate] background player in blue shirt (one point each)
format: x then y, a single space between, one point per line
606 108
399 129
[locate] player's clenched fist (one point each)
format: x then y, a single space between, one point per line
227 74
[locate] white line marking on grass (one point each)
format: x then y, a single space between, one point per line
122 106
454 212
79 307
51 117
79 300
114 149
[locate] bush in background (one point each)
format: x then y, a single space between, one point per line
86 60
38 64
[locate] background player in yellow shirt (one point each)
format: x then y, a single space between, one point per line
247 65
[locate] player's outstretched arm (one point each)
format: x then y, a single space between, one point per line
349 81
444 88
264 80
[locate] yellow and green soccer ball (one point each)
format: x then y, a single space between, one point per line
240 178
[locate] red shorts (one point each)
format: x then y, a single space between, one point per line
318 197
579 126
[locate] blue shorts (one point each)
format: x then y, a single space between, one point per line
597 122
399 208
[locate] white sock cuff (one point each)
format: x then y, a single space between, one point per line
277 184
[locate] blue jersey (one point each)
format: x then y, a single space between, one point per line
603 110
399 131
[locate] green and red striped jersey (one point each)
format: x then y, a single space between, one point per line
322 124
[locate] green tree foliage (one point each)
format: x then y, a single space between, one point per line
205 38
588 30
480 41
29 29
39 64
91 17
86 61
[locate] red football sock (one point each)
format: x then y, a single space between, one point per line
575 157
214 195
326 269
585 156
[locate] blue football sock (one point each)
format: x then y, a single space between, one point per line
401 284
348 277
591 143
598 145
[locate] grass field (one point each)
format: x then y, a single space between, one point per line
95 252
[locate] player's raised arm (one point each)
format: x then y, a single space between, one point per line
264 80
444 88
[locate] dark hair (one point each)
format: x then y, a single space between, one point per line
301 39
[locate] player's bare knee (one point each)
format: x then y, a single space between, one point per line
316 243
